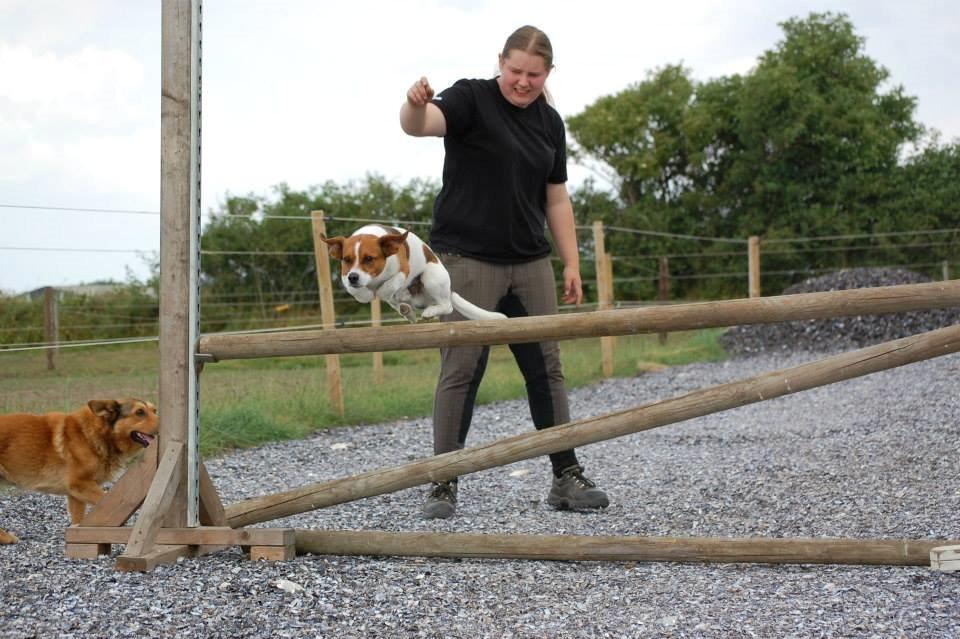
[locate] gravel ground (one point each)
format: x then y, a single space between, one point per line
870 457
845 333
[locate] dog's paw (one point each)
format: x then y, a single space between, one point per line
7 538
407 312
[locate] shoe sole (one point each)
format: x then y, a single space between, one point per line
566 504
439 511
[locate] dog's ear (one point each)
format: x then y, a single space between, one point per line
335 244
392 242
108 409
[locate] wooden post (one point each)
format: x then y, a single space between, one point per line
663 289
946 270
604 268
589 431
322 256
624 321
170 481
753 259
378 355
51 326
859 552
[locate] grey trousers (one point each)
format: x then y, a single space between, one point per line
516 290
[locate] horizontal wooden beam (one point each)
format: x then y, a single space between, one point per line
201 536
653 319
881 552
588 431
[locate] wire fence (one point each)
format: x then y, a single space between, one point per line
299 309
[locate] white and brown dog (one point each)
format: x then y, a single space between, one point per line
396 266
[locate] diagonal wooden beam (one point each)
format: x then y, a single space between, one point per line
125 496
588 431
155 506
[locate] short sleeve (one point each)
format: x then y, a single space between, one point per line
558 174
458 104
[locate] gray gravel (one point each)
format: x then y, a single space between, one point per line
842 332
871 457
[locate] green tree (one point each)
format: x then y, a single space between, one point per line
804 144
257 251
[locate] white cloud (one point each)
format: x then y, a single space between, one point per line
90 87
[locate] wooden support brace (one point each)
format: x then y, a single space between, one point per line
117 506
945 558
155 506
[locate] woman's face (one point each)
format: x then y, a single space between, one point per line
522 76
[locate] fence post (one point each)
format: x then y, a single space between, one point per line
327 314
51 326
946 270
604 268
663 288
753 257
378 355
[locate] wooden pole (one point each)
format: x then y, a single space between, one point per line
876 552
588 431
946 270
629 321
753 258
608 342
322 257
378 355
663 289
51 326
177 189
604 268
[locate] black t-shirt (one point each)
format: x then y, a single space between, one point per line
499 159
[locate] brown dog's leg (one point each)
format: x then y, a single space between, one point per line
6 538
80 495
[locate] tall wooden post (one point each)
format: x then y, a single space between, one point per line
753 258
51 326
322 256
180 510
663 289
378 355
946 270
604 268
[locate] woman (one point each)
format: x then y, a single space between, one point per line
504 177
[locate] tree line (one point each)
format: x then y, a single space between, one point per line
813 142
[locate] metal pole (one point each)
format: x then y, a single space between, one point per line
193 309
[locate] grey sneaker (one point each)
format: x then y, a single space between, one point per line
572 491
442 500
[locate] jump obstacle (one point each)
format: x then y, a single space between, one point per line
180 512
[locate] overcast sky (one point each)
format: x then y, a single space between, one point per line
302 92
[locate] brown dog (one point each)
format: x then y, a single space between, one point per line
74 454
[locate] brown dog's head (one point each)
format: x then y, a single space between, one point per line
132 421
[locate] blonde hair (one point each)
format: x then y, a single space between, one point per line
532 40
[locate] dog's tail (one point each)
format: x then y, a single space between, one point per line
472 311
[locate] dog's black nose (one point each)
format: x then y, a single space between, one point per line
353 278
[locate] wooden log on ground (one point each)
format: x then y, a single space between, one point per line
656 319
878 552
596 429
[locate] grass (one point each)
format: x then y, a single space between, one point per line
250 402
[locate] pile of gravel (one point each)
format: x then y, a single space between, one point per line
872 457
842 333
